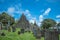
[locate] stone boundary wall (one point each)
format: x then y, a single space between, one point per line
51 35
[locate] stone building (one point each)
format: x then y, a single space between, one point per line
23 23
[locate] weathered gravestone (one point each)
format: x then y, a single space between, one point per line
22 30
8 26
0 26
9 29
13 29
19 32
51 35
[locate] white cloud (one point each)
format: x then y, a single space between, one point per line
16 9
47 11
11 10
28 14
58 16
27 11
39 24
41 18
32 21
57 21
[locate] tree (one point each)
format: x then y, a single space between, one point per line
48 23
4 18
58 24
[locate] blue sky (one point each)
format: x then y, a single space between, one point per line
33 9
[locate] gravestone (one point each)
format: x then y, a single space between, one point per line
19 32
9 29
0 26
51 35
22 30
8 26
13 29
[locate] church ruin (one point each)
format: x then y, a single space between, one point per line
23 23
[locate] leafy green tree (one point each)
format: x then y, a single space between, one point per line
4 18
48 23
58 24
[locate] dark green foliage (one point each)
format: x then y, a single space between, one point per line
48 23
2 34
58 24
4 18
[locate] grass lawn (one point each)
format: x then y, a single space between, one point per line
15 36
59 37
42 38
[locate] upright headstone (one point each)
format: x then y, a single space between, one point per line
22 30
13 29
8 26
19 32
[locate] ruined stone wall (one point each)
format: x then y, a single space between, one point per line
51 35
